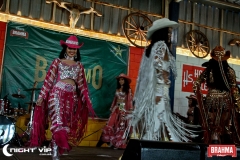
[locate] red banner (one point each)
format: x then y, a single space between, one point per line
222 150
189 75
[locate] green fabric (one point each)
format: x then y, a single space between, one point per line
27 59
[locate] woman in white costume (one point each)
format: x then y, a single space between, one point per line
152 117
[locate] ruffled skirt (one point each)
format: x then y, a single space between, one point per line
160 124
117 129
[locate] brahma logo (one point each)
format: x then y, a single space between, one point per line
19 33
222 150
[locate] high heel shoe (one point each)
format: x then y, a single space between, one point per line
55 154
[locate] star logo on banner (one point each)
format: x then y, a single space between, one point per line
117 51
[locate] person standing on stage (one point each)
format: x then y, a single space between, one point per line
117 130
64 100
219 108
193 116
152 117
193 111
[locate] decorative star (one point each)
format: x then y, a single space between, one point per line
117 51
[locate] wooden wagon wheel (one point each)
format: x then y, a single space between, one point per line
135 26
198 43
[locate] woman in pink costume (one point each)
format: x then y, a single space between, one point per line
117 129
64 100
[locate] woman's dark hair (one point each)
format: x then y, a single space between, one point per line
159 35
61 56
126 85
217 76
194 102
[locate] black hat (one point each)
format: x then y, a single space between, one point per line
205 64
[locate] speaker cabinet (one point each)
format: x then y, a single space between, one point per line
154 150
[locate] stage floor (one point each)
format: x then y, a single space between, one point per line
77 153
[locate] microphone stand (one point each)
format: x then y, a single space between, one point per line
32 106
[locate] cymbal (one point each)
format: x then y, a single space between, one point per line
18 95
30 89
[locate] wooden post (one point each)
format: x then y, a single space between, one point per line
173 15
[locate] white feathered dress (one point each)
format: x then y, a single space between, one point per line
153 121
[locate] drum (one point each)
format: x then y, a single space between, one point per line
6 104
1 106
10 111
7 130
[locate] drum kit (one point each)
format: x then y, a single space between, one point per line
9 116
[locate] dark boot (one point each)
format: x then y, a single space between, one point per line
215 142
100 143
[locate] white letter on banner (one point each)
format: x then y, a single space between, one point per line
99 85
41 68
88 75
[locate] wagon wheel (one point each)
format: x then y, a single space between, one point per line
198 43
135 26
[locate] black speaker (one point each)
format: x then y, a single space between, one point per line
156 150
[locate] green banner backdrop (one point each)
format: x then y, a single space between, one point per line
30 50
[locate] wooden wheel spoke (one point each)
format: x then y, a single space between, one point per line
133 21
131 24
205 47
132 34
144 36
202 50
143 22
193 48
147 25
136 37
200 38
193 39
198 49
140 37
131 29
138 23
193 42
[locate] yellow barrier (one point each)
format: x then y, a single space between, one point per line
94 131
91 137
